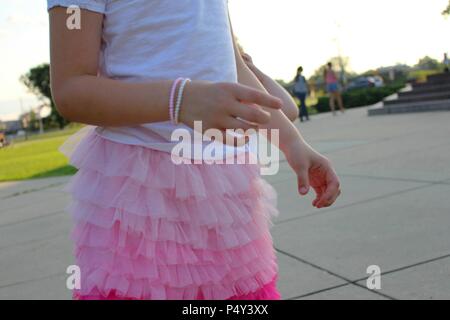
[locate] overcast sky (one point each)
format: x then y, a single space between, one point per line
279 34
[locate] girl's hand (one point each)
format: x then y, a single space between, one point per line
313 170
249 62
247 58
226 106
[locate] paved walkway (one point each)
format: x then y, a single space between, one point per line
394 213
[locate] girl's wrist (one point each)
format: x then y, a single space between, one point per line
293 142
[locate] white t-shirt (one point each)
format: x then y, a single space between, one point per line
301 86
146 40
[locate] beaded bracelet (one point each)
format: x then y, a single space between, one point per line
180 99
172 99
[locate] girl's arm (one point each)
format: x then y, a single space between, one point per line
312 169
82 96
290 108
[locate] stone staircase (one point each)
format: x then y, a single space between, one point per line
433 95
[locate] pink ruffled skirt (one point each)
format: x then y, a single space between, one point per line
146 228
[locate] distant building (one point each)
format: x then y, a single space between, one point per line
11 127
394 72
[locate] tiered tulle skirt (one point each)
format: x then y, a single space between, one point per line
146 228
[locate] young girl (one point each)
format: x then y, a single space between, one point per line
332 86
145 227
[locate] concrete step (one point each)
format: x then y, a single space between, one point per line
430 88
419 98
439 78
435 80
428 85
424 85
439 105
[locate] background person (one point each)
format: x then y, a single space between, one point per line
332 87
301 91
446 63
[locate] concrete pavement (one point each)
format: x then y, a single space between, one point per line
394 213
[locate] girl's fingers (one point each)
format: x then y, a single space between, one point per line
331 201
225 136
230 131
303 180
247 58
234 141
332 191
253 114
319 193
228 139
249 95
236 124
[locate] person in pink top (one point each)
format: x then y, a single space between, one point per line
332 86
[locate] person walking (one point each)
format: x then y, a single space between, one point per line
301 91
332 86
446 63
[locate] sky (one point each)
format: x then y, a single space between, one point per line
279 34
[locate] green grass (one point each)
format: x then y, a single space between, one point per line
421 75
37 157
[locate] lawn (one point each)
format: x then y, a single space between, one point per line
37 157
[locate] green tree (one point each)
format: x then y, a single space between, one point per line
427 63
37 80
447 10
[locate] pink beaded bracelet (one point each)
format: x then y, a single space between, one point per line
172 99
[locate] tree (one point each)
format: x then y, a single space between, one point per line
446 12
398 73
37 80
427 63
